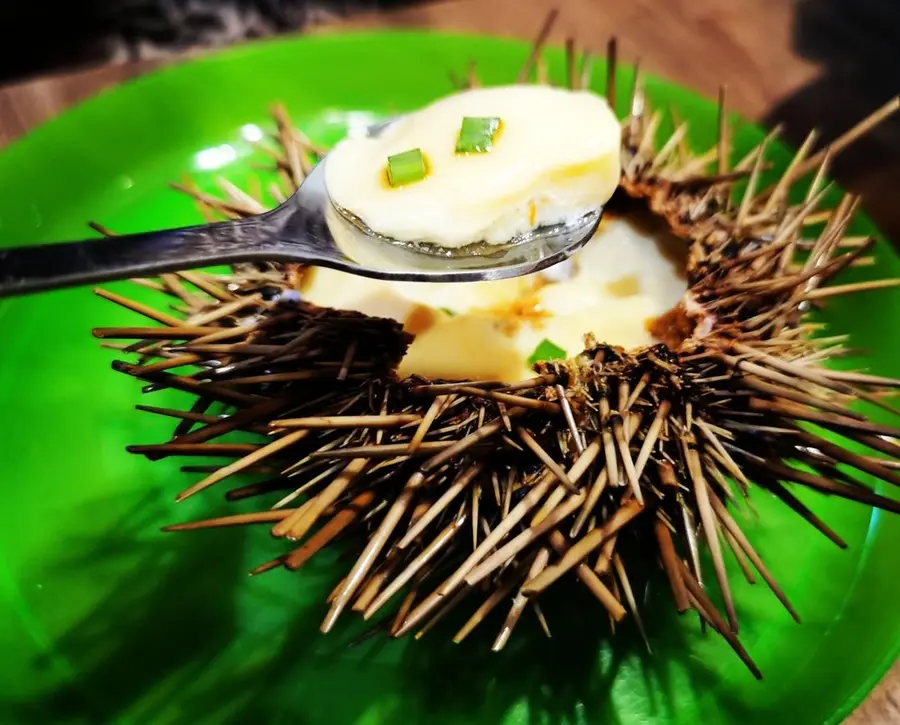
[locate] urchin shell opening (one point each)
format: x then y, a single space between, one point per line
488 493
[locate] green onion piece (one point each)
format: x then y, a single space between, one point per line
406 168
476 135
447 311
546 351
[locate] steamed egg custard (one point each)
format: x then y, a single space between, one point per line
487 165
631 272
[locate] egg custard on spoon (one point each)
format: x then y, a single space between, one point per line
487 166
429 185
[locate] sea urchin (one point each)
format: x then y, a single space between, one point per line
492 492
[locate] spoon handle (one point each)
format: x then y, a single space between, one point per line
51 266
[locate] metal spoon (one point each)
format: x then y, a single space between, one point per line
306 229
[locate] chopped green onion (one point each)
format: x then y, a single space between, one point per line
447 311
476 135
546 351
407 167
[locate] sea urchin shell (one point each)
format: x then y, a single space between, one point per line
493 492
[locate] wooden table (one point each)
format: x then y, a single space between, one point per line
656 31
746 44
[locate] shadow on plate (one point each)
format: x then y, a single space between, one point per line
185 636
157 623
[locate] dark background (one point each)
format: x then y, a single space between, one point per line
856 44
38 36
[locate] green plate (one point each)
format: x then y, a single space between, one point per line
107 620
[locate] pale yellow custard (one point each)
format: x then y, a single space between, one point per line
554 159
625 276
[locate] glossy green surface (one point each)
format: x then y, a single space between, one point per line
106 620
